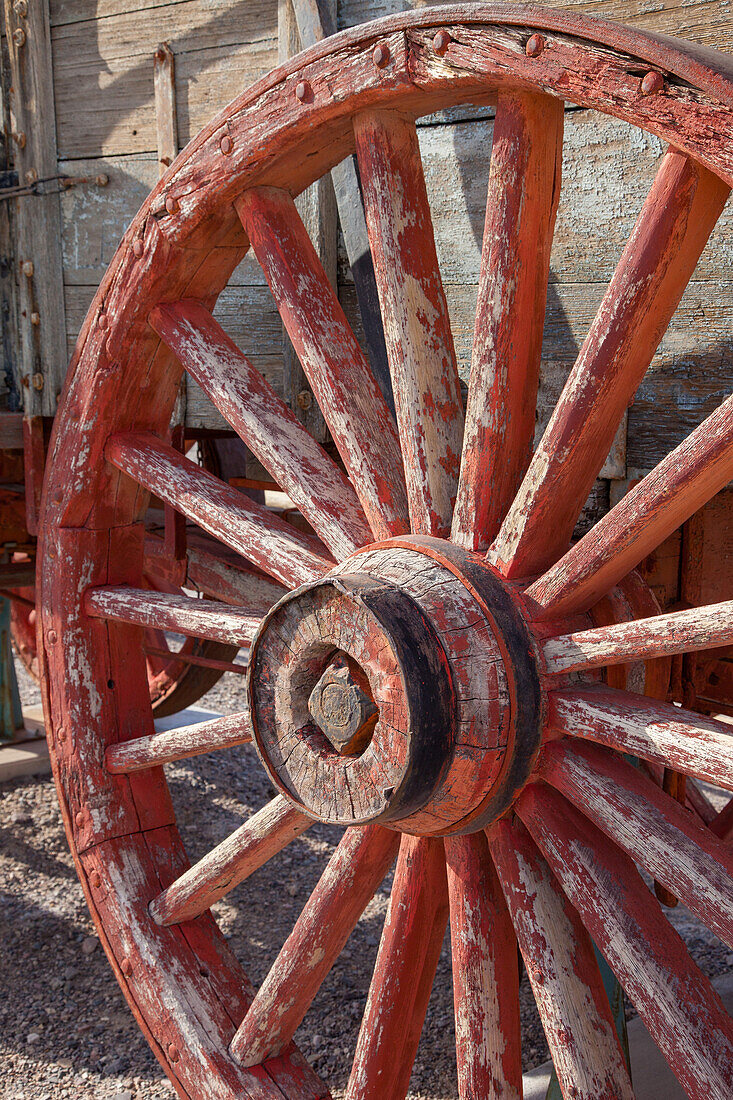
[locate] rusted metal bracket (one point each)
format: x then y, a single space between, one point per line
11 188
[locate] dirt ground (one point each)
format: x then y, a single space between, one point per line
65 1030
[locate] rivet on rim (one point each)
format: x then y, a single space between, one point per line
652 83
79 818
302 90
535 45
441 42
381 55
126 967
52 635
138 248
173 1053
226 145
172 205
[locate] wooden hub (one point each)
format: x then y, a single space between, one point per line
401 688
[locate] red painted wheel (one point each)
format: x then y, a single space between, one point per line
488 648
178 676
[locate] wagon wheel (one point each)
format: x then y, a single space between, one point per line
178 675
456 609
177 678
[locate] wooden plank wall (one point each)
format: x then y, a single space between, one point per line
103 85
105 116
608 168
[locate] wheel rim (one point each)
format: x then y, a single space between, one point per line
559 868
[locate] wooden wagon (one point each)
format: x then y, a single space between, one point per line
501 437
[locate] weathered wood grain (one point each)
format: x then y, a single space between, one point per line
415 315
650 826
659 636
105 64
562 968
198 990
485 975
260 838
166 116
659 732
249 528
42 351
523 192
297 463
683 482
352 403
673 227
178 744
403 973
678 1004
349 881
179 613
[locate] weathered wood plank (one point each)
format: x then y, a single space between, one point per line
106 65
249 528
562 968
178 744
166 115
706 627
260 838
524 187
652 827
485 975
349 881
659 732
678 1004
296 462
179 613
417 332
41 326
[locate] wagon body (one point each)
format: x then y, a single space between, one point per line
85 99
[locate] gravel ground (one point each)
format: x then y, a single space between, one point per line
65 1030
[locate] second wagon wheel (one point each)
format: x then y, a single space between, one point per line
442 673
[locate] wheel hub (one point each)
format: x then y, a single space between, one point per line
401 688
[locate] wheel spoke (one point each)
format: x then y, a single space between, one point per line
178 744
404 970
417 330
215 570
247 849
687 631
181 614
230 516
652 827
660 732
681 484
563 970
264 422
350 399
676 220
485 975
678 1004
348 883
524 187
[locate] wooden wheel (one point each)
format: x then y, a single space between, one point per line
437 668
177 677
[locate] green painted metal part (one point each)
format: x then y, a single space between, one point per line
11 714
